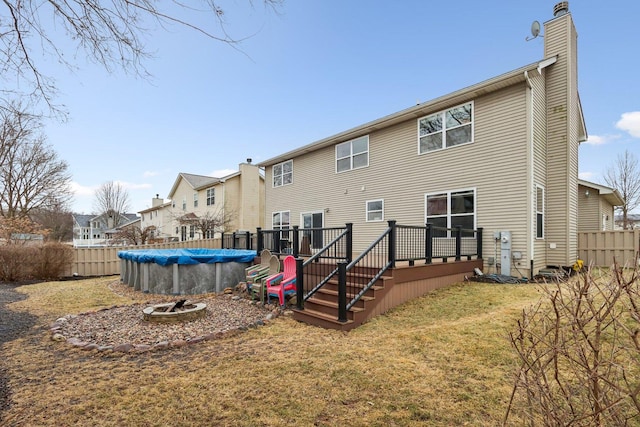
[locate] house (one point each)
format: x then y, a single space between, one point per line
596 206
93 230
632 219
200 206
501 154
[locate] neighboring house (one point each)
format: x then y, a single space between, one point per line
596 205
234 202
91 230
159 218
633 219
501 154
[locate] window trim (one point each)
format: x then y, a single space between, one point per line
444 128
273 226
351 155
273 175
449 214
538 212
195 200
367 211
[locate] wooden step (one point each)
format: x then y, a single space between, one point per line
324 320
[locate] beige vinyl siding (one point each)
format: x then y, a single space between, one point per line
538 95
590 217
494 165
561 221
608 211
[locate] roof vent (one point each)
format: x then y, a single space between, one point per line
561 8
249 160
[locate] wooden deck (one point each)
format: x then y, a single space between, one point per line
396 287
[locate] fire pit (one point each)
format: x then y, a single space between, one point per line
179 311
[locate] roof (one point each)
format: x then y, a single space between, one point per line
155 208
84 220
519 75
195 181
611 195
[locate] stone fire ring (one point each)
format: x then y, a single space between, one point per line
155 313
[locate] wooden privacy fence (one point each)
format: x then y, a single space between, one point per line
104 261
600 248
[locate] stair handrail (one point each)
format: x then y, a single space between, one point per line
343 268
347 233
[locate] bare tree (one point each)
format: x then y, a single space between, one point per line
112 198
209 222
32 176
109 32
624 176
133 235
57 220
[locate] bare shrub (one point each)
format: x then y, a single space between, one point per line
16 262
52 261
579 352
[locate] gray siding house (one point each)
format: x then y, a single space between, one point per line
501 154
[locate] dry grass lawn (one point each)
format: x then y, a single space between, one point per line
442 360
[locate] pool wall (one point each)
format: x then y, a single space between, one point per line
184 271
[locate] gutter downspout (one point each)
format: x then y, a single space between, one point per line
530 177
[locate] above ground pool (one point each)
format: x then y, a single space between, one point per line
184 271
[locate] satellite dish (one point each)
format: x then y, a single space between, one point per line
535 30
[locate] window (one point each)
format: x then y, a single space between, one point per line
192 231
451 209
184 203
211 196
195 200
446 129
283 173
539 212
173 203
375 210
280 220
143 217
352 154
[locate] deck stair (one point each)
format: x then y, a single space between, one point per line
321 309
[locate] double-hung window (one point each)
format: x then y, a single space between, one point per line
211 196
446 129
539 212
283 173
451 209
195 200
352 154
375 210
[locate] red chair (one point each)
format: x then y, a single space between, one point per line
283 283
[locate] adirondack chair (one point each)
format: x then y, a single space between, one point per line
258 270
257 285
283 283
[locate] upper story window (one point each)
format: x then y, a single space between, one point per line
446 129
375 210
451 209
195 200
283 173
184 203
352 154
211 196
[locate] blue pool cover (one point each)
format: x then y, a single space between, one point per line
187 256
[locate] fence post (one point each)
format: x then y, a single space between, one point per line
296 241
458 242
260 238
428 244
479 242
349 248
233 240
392 243
248 240
299 284
342 291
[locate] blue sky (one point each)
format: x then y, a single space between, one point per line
320 67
